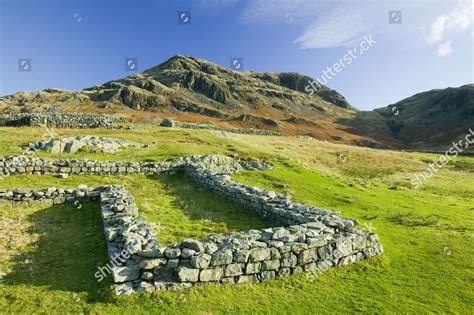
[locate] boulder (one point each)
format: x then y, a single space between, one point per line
188 274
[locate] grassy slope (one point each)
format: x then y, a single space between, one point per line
427 234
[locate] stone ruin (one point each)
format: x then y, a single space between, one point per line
62 120
307 239
168 122
76 144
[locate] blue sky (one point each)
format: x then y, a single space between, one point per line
76 44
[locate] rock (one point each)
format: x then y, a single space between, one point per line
253 268
307 256
125 273
214 274
75 144
228 280
187 253
210 247
147 276
270 265
167 122
124 288
267 275
233 270
172 263
201 261
148 264
259 254
188 274
344 246
172 252
248 279
283 272
221 257
241 256
145 287
193 244
288 260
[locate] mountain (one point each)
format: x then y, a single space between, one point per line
431 118
195 90
195 85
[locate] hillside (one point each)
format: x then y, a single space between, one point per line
431 118
194 90
49 253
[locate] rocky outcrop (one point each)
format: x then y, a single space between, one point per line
75 144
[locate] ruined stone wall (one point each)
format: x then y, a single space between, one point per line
309 239
16 165
249 131
49 196
61 120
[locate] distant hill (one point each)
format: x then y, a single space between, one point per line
195 90
431 118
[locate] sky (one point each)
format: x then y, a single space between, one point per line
415 45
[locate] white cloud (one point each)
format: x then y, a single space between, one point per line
445 49
278 10
326 23
342 23
457 20
340 28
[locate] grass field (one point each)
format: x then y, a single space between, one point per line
48 255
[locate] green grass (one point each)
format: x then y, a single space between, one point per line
426 233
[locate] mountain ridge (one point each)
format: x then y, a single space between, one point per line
196 90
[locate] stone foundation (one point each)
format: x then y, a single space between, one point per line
309 239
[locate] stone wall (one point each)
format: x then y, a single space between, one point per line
309 239
167 122
49 196
61 120
16 165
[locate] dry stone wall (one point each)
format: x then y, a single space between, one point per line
308 239
167 122
61 120
16 165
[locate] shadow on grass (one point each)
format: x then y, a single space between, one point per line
198 203
69 248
